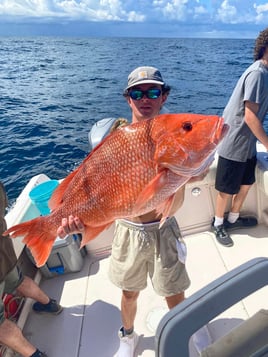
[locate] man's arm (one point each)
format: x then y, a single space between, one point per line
254 124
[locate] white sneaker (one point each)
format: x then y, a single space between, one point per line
202 339
128 344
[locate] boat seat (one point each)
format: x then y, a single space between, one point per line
180 323
244 340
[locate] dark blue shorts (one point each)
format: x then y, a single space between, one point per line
231 174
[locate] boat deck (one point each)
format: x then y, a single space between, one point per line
90 320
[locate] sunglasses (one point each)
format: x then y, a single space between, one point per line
138 94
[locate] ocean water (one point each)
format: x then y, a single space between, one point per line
54 89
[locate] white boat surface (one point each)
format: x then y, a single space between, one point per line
89 323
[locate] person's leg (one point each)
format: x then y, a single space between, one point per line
29 288
10 334
239 198
128 271
247 181
12 337
129 308
43 304
227 183
222 200
174 300
127 336
234 220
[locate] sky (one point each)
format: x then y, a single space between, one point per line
134 18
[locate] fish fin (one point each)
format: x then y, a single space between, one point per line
57 196
40 245
92 232
165 208
156 191
151 189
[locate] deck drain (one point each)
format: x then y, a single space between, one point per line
154 317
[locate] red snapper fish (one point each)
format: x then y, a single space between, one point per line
134 170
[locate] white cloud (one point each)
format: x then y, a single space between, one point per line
104 10
262 13
261 8
155 11
175 9
239 12
25 8
136 17
200 10
226 12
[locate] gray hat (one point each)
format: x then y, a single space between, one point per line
143 75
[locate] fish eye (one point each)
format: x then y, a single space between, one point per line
187 126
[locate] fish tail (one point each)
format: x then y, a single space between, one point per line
36 237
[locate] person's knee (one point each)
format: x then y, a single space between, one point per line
22 285
130 296
9 328
174 300
25 286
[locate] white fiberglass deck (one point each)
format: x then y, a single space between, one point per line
89 323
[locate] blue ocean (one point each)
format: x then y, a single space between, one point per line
54 89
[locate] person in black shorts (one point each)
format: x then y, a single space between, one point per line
244 113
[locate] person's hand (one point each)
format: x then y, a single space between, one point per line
70 225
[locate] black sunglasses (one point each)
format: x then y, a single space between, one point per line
138 94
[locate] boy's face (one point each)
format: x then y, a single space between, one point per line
146 108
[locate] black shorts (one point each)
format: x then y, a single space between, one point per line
231 175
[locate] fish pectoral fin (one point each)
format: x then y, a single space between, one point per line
57 196
92 233
165 208
151 189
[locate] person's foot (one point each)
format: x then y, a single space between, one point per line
38 353
202 339
222 235
128 344
241 222
52 308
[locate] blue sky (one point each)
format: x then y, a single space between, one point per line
134 18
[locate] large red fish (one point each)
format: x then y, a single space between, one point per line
136 169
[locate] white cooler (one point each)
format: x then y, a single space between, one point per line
65 257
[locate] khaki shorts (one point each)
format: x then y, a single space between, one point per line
142 249
8 286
